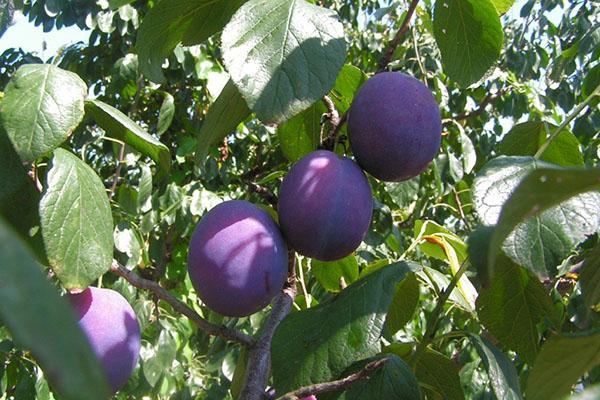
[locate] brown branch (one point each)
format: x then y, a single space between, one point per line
263 192
489 99
332 112
208 328
334 386
330 142
259 359
389 54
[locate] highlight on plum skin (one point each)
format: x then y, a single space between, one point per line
394 126
325 206
237 259
112 329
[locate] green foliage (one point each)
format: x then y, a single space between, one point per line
116 147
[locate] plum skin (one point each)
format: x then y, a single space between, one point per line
325 206
237 259
394 126
112 329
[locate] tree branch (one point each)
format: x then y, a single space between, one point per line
330 142
489 99
389 54
333 386
208 328
259 359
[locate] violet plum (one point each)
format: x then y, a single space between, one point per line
394 126
112 329
237 259
325 206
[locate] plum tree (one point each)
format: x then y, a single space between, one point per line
394 126
112 329
325 206
237 259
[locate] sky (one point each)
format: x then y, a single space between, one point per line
31 38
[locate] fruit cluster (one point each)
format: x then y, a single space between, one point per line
238 255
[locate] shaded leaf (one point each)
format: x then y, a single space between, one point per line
283 55
503 375
76 222
167 112
403 305
42 106
469 36
222 119
301 134
40 320
325 340
120 126
173 21
440 373
561 362
590 278
511 307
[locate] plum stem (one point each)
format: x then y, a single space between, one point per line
259 359
389 53
334 386
331 141
179 306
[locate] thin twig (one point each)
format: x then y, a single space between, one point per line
566 122
389 54
432 323
117 171
263 192
259 359
332 112
489 99
331 141
460 209
338 385
208 328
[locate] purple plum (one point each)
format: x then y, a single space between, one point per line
394 126
112 329
325 206
237 259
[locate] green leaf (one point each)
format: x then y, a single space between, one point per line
502 6
511 307
19 198
283 55
40 320
120 126
562 361
515 191
470 37
167 112
590 278
526 138
173 21
328 274
403 305
42 106
346 85
440 374
301 134
431 228
76 221
323 341
503 375
160 358
145 189
393 381
114 4
222 119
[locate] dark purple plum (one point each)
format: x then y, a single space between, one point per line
325 206
237 259
394 126
112 329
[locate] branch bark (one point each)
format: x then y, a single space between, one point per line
333 386
489 99
208 327
259 359
389 54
